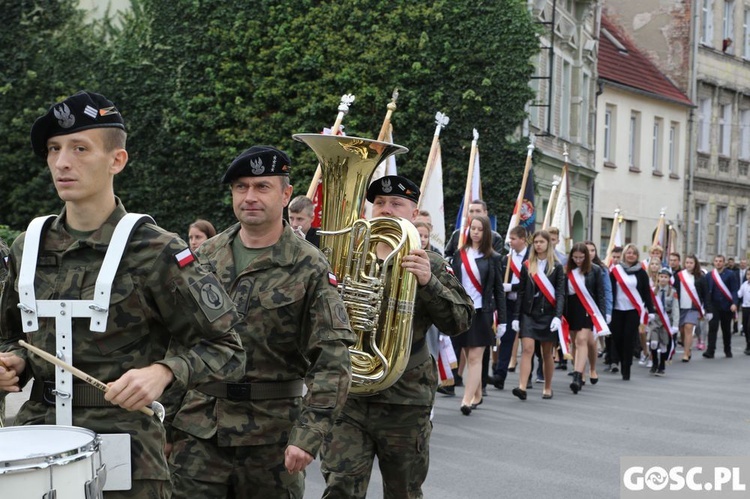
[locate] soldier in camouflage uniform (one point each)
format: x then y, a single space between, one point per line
395 423
157 298
255 438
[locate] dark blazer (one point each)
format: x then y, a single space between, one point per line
701 287
642 285
532 302
491 278
313 237
515 286
595 285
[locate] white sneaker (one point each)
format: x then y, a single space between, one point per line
643 360
650 363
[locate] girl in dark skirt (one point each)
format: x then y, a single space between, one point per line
582 302
477 266
540 304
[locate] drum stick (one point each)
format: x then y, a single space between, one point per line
75 371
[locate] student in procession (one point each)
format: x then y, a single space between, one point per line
200 231
632 306
744 295
611 360
519 253
157 295
478 267
301 215
653 268
722 291
675 265
600 340
692 291
540 305
476 207
584 308
662 330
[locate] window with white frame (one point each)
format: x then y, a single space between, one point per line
741 232
728 40
704 125
609 133
656 145
699 224
707 22
565 100
721 230
634 140
746 35
725 130
744 152
674 129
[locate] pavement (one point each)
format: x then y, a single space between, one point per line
570 446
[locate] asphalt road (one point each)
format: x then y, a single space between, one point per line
570 446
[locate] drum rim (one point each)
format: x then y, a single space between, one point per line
45 461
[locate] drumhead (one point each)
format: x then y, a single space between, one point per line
39 446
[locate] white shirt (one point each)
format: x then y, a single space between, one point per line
685 301
623 302
474 294
744 293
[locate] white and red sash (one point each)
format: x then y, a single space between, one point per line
514 268
664 316
578 281
722 287
691 291
446 361
472 272
544 285
631 291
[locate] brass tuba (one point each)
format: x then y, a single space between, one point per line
384 332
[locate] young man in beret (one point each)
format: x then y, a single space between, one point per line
157 295
255 438
394 424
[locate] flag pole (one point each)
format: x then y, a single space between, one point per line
551 202
346 101
519 200
467 190
659 227
387 121
566 177
441 121
615 227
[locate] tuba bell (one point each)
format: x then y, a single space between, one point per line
378 295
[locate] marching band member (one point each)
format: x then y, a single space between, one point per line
541 300
692 291
478 268
632 306
583 308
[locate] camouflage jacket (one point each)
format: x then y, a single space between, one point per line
444 303
294 327
153 302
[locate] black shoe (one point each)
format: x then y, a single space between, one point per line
547 396
474 406
519 393
728 355
594 380
625 377
614 369
652 370
660 372
465 410
708 355
562 367
499 384
511 369
575 386
459 381
450 391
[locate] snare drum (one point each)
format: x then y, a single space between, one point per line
50 462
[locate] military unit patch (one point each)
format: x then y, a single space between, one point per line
332 279
449 269
184 258
90 112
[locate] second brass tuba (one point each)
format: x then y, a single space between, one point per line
378 295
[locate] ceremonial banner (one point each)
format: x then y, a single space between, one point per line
561 217
431 199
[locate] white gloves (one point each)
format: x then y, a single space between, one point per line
651 317
507 287
515 326
555 324
608 318
709 316
501 328
675 330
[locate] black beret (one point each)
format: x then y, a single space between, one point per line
78 112
393 185
258 161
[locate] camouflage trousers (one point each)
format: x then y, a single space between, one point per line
398 434
143 489
200 468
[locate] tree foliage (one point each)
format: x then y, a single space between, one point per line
198 81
